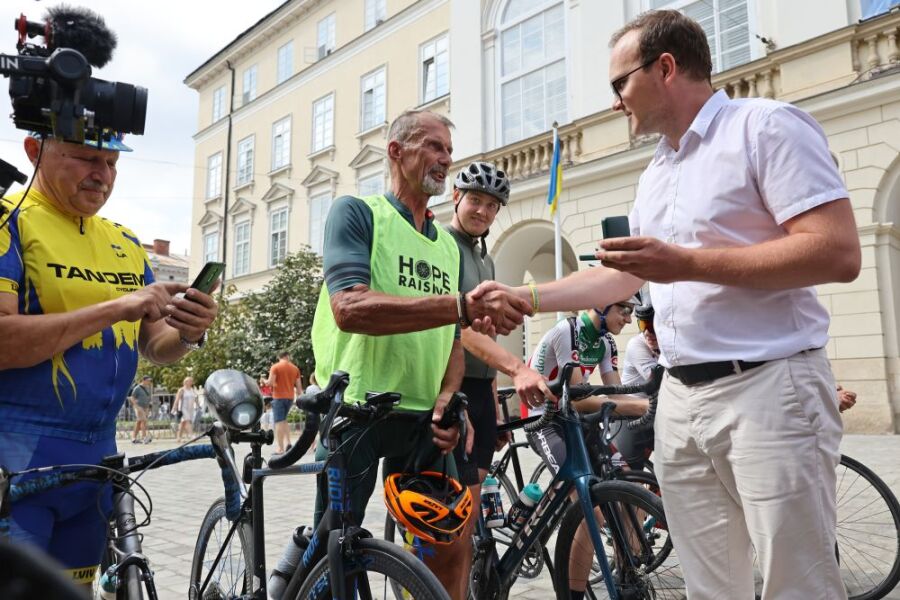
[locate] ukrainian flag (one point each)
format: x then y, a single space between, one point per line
555 175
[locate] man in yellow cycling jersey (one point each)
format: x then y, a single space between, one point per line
77 303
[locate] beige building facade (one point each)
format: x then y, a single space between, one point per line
515 66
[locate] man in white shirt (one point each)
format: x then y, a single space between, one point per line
740 212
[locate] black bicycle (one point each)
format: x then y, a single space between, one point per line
340 560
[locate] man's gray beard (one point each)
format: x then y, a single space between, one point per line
432 186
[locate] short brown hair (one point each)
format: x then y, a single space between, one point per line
406 126
670 31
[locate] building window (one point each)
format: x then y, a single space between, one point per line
249 89
371 185
373 101
323 123
218 109
281 143
325 43
214 176
241 248
318 212
285 62
244 161
211 246
532 68
278 225
727 27
435 64
375 13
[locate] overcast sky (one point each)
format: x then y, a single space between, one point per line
160 42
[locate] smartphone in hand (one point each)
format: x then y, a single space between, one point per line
208 276
615 227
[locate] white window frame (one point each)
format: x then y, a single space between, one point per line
245 151
370 184
278 238
285 63
214 176
551 58
756 49
211 245
218 103
432 55
325 36
242 248
249 80
283 158
369 83
323 123
375 13
319 205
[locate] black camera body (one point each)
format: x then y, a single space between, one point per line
51 87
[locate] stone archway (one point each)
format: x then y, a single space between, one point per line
886 233
522 253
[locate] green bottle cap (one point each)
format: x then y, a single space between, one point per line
533 491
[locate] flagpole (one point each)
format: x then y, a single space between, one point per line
557 232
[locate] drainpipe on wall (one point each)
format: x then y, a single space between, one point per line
227 179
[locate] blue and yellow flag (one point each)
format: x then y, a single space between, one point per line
555 175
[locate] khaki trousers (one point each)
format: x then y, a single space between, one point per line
751 458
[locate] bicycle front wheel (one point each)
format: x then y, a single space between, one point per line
868 532
232 574
378 570
636 541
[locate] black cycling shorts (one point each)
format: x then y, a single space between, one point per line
483 415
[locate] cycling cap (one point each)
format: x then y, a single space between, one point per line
429 505
484 177
109 139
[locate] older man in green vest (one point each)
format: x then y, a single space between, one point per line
391 311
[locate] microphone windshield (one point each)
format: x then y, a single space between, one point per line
82 30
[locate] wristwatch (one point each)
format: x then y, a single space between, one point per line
193 345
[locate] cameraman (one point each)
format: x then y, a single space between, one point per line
77 303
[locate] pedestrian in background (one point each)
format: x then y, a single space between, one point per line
185 407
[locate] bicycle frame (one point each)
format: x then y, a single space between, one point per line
576 473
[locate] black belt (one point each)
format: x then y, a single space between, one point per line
710 371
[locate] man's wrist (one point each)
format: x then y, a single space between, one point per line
192 344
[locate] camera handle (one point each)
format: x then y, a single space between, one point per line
8 175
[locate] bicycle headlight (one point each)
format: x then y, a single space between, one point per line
233 398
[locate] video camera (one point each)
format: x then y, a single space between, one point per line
51 87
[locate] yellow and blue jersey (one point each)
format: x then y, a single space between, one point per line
56 263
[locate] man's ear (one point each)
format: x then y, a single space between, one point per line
394 149
32 149
457 195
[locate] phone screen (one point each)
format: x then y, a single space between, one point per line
615 227
208 276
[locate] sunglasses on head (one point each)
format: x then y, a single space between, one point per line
645 326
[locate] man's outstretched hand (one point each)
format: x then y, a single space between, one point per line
494 308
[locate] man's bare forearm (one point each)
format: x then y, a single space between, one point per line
27 340
488 351
161 344
362 310
582 290
455 371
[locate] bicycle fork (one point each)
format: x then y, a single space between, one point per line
582 486
131 567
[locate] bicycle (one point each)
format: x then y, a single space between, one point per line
125 569
341 558
634 521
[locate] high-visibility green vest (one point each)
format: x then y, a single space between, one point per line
403 262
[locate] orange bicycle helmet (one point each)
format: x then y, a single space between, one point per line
428 505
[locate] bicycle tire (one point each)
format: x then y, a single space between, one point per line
394 567
234 572
868 532
658 574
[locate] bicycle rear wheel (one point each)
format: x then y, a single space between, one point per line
655 572
868 532
232 575
379 570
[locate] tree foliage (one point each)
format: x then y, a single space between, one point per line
251 330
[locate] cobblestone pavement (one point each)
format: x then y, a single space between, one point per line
182 493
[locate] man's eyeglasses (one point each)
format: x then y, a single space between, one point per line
626 309
619 83
645 326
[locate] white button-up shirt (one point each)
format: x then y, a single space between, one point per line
742 169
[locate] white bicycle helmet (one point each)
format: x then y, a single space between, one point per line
484 177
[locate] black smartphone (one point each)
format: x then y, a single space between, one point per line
209 274
615 227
